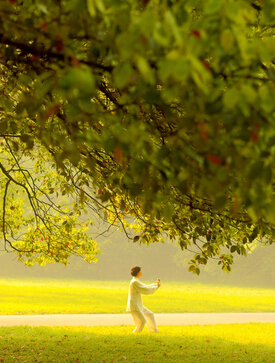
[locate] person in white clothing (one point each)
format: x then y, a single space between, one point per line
140 314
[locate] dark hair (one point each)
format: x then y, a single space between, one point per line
135 270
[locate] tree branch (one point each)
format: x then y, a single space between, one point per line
48 54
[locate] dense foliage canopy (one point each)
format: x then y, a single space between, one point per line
156 114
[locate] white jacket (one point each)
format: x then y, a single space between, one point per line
137 288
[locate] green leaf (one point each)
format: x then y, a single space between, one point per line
231 98
192 268
123 74
74 157
171 22
249 93
145 69
25 80
233 248
268 174
100 5
167 213
221 201
91 8
20 107
227 40
78 82
197 271
3 127
256 169
269 11
213 6
7 104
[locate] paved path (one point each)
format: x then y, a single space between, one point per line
126 319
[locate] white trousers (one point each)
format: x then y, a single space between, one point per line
142 318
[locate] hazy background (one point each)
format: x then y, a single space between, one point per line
166 261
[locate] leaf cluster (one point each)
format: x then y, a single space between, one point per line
164 107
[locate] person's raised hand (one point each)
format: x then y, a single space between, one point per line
158 282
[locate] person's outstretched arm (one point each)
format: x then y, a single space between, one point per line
145 289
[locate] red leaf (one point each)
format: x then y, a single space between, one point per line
206 65
256 125
118 155
254 136
204 133
255 132
75 61
59 46
196 33
214 159
44 26
52 110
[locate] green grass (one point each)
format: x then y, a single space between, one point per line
189 344
72 297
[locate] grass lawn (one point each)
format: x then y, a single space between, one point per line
189 344
76 297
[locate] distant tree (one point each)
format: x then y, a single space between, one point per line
159 113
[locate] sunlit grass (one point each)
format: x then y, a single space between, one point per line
76 297
189 344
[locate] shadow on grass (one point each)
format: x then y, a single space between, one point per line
189 344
